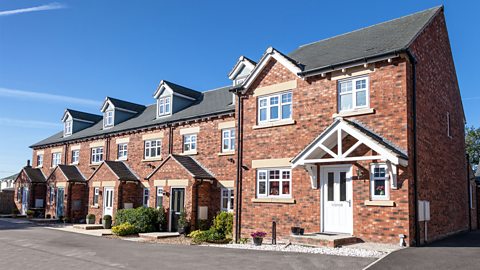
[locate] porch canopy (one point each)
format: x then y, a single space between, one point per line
349 141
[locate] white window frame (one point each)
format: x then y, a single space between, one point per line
157 149
164 106
191 141
56 159
40 160
109 118
96 195
68 127
228 140
122 151
146 197
52 195
374 178
229 196
267 181
279 104
158 196
75 156
96 155
354 93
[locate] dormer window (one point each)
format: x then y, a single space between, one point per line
67 131
108 119
164 106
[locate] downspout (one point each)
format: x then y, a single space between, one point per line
413 62
170 140
468 194
107 150
238 184
196 203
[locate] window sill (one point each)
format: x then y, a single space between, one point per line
39 167
189 153
76 163
95 164
121 159
152 159
229 153
94 206
274 200
354 113
274 124
379 203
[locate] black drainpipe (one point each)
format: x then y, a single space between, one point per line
413 61
170 140
107 149
468 194
197 185
238 185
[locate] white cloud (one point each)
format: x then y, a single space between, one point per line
50 6
14 93
28 123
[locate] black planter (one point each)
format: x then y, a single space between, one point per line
296 230
107 223
257 241
301 231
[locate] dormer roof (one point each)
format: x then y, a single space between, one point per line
122 105
241 62
81 116
178 90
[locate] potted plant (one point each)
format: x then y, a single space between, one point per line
15 212
30 213
48 216
90 219
258 237
182 223
107 222
295 230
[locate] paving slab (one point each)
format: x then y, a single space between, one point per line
72 229
158 235
88 226
16 221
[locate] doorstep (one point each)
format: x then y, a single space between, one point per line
158 235
324 240
44 220
88 226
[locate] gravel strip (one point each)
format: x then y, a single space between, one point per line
343 251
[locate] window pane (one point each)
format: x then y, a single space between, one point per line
286 111
379 186
261 187
263 102
274 112
361 84
286 187
274 188
346 87
330 186
287 97
346 102
361 98
263 114
343 186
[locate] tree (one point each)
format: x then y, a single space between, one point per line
472 141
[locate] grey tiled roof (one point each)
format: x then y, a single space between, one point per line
193 167
383 38
121 170
126 105
209 103
72 173
183 90
11 177
34 174
84 116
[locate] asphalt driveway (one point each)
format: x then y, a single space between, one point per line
25 246
457 252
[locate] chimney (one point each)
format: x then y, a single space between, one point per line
28 162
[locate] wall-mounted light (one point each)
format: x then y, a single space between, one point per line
231 160
151 166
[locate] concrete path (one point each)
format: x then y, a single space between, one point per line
457 252
25 246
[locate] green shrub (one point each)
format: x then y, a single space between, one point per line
30 213
124 229
162 218
203 224
182 220
91 216
223 224
107 217
144 219
198 236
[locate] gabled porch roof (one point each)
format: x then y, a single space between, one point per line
191 165
119 169
320 149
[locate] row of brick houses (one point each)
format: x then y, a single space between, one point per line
360 134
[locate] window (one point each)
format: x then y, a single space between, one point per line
353 94
379 182
227 199
52 194
96 192
40 160
75 156
449 131
275 107
153 148
67 128
228 140
122 152
238 81
146 195
274 183
159 197
19 194
97 155
164 106
189 142
56 159
108 119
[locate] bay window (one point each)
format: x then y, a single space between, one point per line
274 183
353 94
275 107
379 182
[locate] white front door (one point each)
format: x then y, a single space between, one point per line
108 201
336 191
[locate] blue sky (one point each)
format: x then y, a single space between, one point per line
72 54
